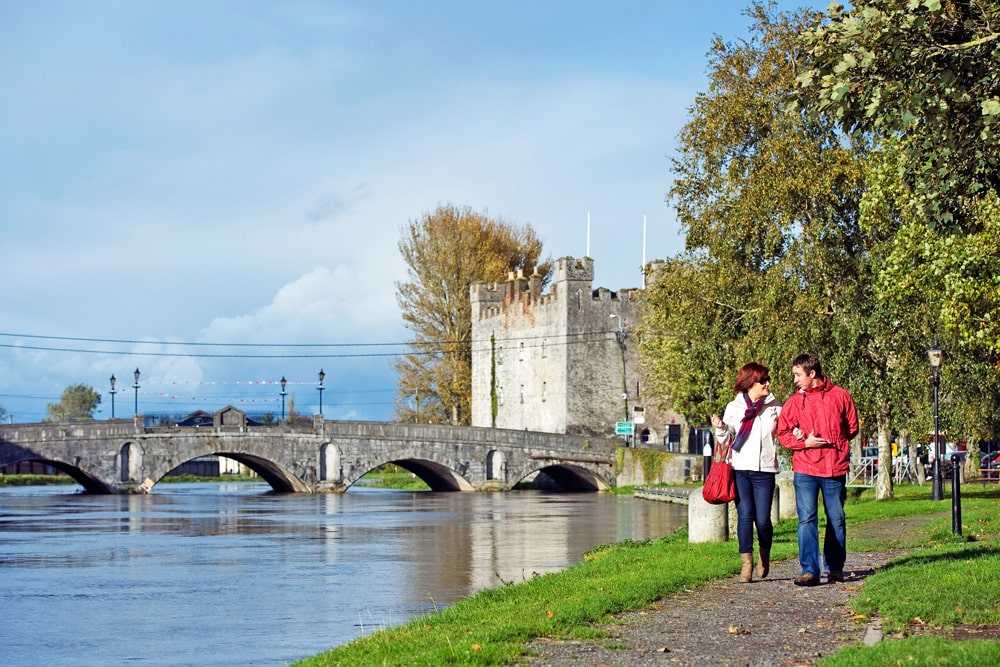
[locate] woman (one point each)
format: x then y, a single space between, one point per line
750 425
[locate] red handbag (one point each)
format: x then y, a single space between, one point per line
720 486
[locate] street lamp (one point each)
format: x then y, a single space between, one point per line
136 374
113 392
934 354
283 394
620 335
320 388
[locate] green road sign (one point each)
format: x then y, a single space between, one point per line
624 428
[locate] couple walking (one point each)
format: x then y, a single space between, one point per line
817 424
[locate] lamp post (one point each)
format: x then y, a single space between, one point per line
113 392
934 354
320 388
136 374
283 394
620 335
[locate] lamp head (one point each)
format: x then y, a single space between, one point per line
136 375
321 376
935 354
283 383
112 382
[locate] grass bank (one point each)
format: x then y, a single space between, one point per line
35 480
491 627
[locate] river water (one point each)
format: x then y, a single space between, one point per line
231 574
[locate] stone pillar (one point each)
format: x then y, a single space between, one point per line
706 522
785 490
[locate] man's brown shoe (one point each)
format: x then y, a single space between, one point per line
806 579
836 576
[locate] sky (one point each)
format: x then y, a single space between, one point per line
213 191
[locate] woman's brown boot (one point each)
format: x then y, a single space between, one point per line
746 574
763 562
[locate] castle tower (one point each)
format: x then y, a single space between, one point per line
553 362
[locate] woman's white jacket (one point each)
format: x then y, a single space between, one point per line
758 453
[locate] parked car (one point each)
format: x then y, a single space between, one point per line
991 460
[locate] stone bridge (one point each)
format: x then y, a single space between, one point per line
116 456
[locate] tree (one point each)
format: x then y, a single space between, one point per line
923 80
77 403
768 200
445 251
780 258
924 70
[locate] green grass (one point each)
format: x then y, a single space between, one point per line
385 479
35 480
924 651
491 627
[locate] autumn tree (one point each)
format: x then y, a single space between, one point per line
445 251
77 403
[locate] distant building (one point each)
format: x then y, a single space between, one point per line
561 362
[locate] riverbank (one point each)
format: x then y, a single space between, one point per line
579 616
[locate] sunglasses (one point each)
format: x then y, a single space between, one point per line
764 380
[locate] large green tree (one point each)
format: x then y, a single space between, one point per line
925 70
767 199
77 403
446 250
923 79
778 259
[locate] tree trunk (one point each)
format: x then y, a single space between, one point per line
883 480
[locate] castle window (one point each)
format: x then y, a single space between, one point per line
520 354
500 356
522 394
544 386
500 395
545 347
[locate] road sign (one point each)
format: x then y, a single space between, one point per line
624 428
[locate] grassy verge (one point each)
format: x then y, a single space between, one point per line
491 627
944 582
35 480
392 477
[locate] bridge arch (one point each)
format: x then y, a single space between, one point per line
568 477
437 476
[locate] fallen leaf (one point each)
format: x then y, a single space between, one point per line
477 647
663 649
549 614
803 631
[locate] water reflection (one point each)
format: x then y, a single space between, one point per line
217 574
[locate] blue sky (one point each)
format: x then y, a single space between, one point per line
237 173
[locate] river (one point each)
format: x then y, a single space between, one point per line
232 574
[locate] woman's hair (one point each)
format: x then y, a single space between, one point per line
749 374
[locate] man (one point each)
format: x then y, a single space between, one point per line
817 423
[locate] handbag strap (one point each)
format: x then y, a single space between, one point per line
721 452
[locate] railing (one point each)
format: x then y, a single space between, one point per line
989 476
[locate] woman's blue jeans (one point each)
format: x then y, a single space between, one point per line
754 495
807 489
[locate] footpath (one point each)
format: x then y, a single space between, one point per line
767 622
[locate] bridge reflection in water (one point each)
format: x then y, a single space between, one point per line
326 456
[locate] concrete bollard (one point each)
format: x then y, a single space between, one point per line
706 522
785 489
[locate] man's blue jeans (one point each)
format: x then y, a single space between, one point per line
807 489
754 495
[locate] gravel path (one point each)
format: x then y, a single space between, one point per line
766 622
